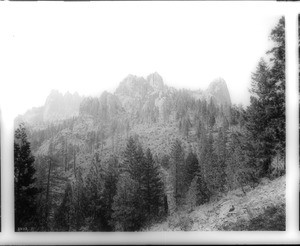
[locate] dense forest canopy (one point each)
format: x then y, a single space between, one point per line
130 158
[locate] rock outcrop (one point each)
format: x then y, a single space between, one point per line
218 90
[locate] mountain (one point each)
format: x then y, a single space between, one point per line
134 90
139 93
57 107
157 118
135 95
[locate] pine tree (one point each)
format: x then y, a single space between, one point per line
266 113
131 173
199 128
79 200
24 180
277 97
95 204
234 161
125 216
221 156
212 121
65 212
241 167
209 162
110 189
192 166
152 187
178 171
192 195
129 162
202 192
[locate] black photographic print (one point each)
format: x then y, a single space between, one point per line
149 122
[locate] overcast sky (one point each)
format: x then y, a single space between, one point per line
90 48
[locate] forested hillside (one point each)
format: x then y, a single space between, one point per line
129 159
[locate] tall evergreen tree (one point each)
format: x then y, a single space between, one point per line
208 158
129 162
266 113
178 171
131 174
202 192
221 156
192 166
65 212
79 200
152 187
125 216
24 180
110 189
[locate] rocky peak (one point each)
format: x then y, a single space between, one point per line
53 96
155 81
218 90
61 106
132 86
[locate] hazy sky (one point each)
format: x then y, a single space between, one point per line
91 48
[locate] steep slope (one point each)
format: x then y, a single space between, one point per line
251 211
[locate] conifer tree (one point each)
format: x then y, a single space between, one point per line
24 180
125 216
132 201
221 156
208 158
94 189
202 192
192 166
178 171
65 212
266 113
152 187
110 189
199 128
192 195
129 162
79 200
